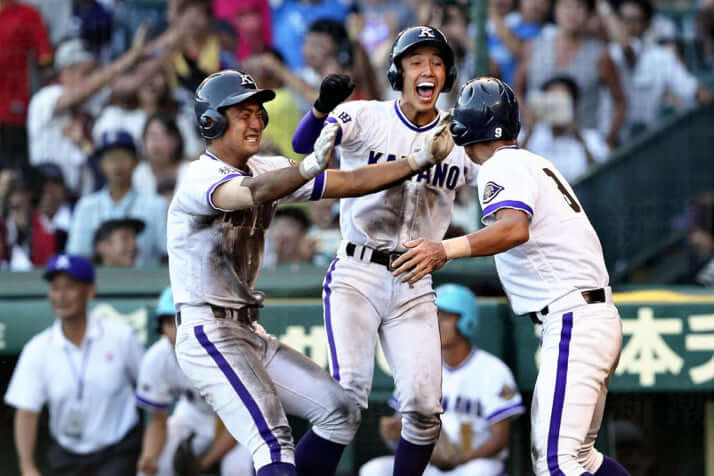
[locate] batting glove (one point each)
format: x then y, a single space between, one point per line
437 145
316 162
334 89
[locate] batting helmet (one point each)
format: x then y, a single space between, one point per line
485 110
164 308
459 300
221 90
414 37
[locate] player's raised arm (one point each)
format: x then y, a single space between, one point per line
334 89
372 178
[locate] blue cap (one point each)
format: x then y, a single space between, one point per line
118 139
166 303
78 267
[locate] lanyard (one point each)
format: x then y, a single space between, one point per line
79 376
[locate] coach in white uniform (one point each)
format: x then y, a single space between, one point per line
480 398
161 382
84 369
216 234
362 300
551 265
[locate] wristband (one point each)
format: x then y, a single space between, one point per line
309 167
457 247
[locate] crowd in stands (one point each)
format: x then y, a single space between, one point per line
97 122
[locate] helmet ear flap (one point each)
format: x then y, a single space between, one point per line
213 124
394 75
451 75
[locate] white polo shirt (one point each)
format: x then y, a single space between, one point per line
51 368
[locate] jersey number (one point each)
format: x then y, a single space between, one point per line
568 198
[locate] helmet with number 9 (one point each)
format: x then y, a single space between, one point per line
486 110
458 299
414 37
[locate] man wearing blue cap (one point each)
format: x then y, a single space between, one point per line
118 199
479 397
161 381
87 380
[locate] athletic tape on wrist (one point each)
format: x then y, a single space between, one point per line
457 247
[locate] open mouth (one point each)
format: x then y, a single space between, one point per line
426 89
252 138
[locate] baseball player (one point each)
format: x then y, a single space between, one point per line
160 383
216 232
550 262
362 300
479 398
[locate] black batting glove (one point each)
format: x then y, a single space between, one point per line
334 89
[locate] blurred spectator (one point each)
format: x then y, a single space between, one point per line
57 132
23 37
705 31
632 449
325 231
163 154
200 51
649 72
161 383
564 50
17 215
58 17
118 199
292 18
252 23
556 133
700 228
52 217
287 238
480 398
84 369
94 25
227 36
115 242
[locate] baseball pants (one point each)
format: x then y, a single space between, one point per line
363 301
252 380
384 465
580 348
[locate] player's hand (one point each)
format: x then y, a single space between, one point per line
437 145
334 89
147 464
313 164
423 257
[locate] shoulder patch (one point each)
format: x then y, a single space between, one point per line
507 392
490 191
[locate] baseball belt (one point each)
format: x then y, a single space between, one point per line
245 315
592 296
379 257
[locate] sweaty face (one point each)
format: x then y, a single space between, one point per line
69 297
245 127
424 75
119 248
447 328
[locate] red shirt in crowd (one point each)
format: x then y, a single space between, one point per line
21 32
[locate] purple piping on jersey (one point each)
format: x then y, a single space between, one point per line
328 322
212 188
149 403
561 378
242 392
505 412
507 204
318 187
210 155
514 146
409 124
338 137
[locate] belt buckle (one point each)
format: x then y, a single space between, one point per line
392 258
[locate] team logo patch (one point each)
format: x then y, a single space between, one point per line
507 392
227 170
492 189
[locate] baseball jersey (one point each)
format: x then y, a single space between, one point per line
161 380
420 206
563 252
215 255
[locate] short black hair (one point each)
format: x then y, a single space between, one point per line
297 214
566 81
645 5
338 33
172 128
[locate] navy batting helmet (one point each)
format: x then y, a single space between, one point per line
485 110
221 90
412 38
458 299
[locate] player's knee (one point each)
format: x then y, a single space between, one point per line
561 463
419 428
340 421
589 458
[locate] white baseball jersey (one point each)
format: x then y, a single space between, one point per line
475 395
563 252
161 380
421 206
215 255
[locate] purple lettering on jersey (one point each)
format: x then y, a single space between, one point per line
424 175
242 392
452 178
440 172
374 157
561 378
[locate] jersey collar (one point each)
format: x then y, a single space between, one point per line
514 146
462 364
409 124
213 156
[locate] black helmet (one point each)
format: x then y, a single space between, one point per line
221 90
485 110
420 36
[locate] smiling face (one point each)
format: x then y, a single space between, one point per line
424 73
245 128
119 248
